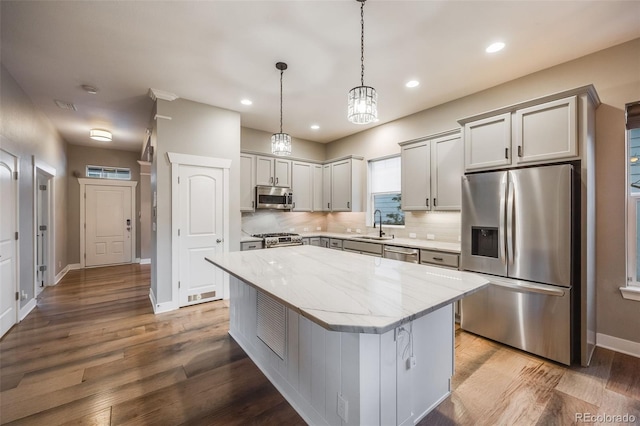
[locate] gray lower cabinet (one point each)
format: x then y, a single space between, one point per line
438 258
324 242
335 244
250 245
315 241
371 249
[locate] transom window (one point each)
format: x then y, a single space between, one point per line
384 178
105 172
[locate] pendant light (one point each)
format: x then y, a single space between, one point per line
363 100
281 142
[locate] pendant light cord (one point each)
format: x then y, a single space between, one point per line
362 42
281 72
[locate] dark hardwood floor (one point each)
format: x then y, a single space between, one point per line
94 353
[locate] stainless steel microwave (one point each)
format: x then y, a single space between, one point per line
273 197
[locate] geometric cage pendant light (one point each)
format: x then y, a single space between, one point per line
362 100
281 142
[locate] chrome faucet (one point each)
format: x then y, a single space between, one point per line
374 221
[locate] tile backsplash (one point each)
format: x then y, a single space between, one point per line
277 221
443 226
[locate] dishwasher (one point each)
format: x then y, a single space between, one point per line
405 254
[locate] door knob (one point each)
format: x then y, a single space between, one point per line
218 240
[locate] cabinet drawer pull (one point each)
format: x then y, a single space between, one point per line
506 153
438 258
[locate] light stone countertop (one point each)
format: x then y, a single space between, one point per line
399 242
348 292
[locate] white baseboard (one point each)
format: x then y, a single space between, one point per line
159 308
24 311
145 261
66 269
619 345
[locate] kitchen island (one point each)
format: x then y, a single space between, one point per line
347 339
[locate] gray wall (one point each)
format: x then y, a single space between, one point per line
79 157
615 73
144 222
259 141
27 132
195 129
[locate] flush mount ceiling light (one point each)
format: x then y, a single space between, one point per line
314 127
495 47
412 83
362 100
100 135
281 142
246 102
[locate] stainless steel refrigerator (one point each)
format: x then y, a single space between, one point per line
518 228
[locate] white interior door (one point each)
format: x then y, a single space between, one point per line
8 252
201 233
109 225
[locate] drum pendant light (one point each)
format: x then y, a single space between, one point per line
362 100
281 142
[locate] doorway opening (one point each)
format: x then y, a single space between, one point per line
43 212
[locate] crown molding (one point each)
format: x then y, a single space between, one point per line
156 94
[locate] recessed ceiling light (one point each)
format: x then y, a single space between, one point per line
495 47
246 102
100 135
314 127
412 83
92 90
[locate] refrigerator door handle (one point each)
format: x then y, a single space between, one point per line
504 182
510 222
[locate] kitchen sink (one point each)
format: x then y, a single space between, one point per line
371 237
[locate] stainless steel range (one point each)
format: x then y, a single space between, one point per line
280 239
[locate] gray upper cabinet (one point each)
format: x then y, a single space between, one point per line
318 189
546 132
534 132
431 172
416 176
272 171
247 182
346 185
326 187
487 142
446 172
302 186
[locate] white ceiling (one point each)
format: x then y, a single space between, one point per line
219 52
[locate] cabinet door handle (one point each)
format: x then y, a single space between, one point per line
348 205
294 205
271 179
434 203
327 205
506 153
519 150
427 201
252 204
276 181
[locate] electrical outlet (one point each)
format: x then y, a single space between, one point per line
358 230
318 228
343 409
411 362
431 237
306 229
412 234
292 229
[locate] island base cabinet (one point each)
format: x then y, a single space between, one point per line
340 378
